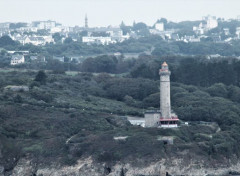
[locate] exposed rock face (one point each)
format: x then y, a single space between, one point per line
87 167
24 167
82 168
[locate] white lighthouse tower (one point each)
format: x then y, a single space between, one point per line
165 103
167 118
163 118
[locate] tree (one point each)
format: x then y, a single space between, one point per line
139 26
17 25
162 20
125 29
99 64
6 40
17 99
218 90
57 37
68 40
83 33
41 77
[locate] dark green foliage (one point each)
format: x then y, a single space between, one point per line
100 64
6 41
218 90
205 73
57 37
129 100
41 95
197 70
17 25
165 49
234 93
125 29
17 99
41 77
152 100
68 40
136 88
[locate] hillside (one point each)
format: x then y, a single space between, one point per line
67 118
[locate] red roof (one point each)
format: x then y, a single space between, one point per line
171 119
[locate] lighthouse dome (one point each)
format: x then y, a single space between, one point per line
164 64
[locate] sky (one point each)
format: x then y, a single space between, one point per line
113 12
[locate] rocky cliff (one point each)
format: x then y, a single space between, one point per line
87 167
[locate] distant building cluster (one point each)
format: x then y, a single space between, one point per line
204 31
40 33
113 35
36 33
32 39
18 58
159 30
209 22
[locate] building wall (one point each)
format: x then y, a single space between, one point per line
151 119
159 26
165 105
16 61
212 23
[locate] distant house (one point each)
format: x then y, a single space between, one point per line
211 22
61 59
33 39
226 31
216 38
238 32
17 59
159 26
175 37
38 58
97 40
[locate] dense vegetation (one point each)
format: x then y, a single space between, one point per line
66 116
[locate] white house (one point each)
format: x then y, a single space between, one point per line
211 22
98 40
159 26
17 59
238 32
37 40
38 58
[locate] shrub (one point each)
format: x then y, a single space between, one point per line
41 77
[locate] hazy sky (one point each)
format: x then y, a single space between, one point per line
112 12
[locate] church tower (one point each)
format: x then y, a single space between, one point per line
86 21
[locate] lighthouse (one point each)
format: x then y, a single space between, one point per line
165 103
167 118
164 117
